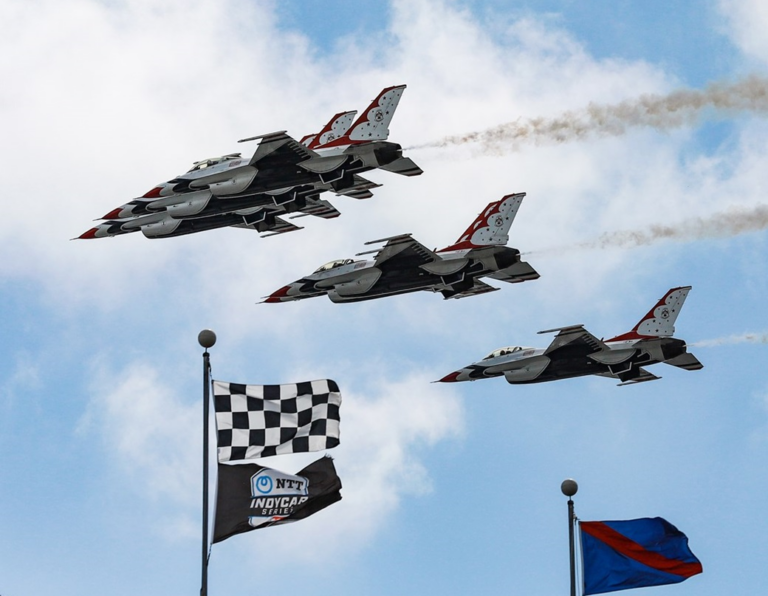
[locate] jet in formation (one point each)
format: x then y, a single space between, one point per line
283 176
404 265
575 352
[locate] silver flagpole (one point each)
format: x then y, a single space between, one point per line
569 488
206 338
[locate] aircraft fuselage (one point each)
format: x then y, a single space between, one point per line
363 280
531 365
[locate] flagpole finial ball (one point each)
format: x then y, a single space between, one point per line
206 338
569 487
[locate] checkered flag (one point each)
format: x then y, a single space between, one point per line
264 420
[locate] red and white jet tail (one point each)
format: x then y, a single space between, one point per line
660 320
336 127
491 228
373 124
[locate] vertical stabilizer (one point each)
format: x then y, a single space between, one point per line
373 124
660 320
491 228
336 127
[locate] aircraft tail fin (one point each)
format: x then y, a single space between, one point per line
336 127
491 227
660 320
373 124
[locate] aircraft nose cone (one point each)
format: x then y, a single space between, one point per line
153 194
279 295
114 214
89 234
451 378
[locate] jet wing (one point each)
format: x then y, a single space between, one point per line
479 287
278 148
401 251
573 336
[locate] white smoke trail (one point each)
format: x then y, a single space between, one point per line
751 338
661 112
734 221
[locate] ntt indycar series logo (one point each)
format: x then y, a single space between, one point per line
275 495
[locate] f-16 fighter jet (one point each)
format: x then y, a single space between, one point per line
404 265
575 352
282 176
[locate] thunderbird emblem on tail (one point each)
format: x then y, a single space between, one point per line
575 352
405 265
283 176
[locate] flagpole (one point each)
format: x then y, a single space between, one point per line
206 338
569 488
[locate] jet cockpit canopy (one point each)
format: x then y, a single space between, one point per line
505 351
334 264
212 161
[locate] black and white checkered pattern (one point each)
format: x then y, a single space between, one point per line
263 420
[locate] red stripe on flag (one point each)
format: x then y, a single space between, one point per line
633 550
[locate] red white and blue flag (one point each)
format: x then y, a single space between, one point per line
619 555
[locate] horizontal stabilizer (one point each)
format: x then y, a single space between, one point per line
356 194
519 272
404 166
318 208
686 361
281 227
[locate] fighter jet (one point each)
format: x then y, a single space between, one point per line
404 265
575 352
282 176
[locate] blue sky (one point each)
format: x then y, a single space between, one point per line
447 488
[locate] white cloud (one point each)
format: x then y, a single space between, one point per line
152 437
25 376
384 438
146 90
103 99
746 22
149 432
